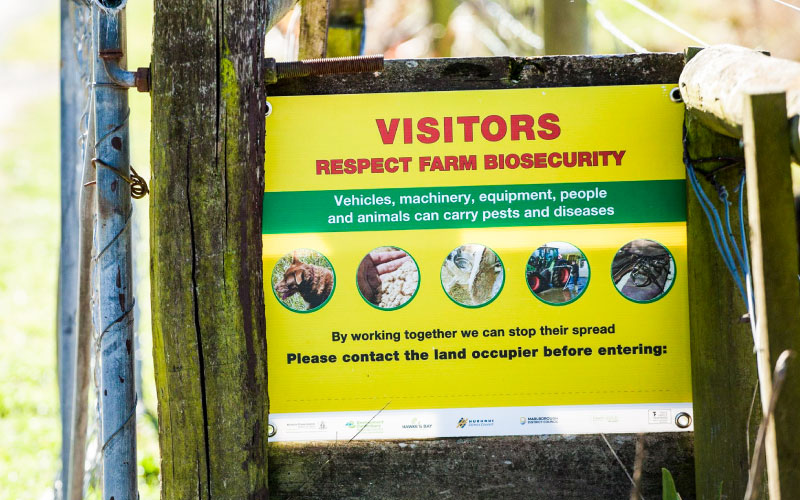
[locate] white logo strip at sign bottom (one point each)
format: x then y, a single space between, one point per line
462 422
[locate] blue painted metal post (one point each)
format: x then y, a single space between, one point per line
113 261
72 106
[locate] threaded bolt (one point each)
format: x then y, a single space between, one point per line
330 66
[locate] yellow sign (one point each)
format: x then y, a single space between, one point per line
476 263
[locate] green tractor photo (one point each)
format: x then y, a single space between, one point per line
547 269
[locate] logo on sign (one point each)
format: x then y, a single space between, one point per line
417 424
474 422
539 420
659 416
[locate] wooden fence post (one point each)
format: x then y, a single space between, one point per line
207 186
566 27
730 90
723 370
313 29
775 275
346 27
441 10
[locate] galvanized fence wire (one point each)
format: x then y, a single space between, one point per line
624 469
663 20
507 26
617 33
83 46
787 4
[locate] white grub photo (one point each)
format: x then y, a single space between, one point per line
387 278
472 275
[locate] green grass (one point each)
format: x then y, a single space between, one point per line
29 408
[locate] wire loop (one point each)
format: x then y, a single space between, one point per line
139 187
137 183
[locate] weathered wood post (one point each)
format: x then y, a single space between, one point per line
566 27
774 265
313 29
346 27
723 371
209 344
714 85
441 10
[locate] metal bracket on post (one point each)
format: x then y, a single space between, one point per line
111 53
114 319
123 78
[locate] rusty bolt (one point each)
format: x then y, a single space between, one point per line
330 66
142 79
110 54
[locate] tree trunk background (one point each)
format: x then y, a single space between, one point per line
207 185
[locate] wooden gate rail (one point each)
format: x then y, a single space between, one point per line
716 79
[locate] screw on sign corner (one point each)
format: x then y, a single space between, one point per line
275 71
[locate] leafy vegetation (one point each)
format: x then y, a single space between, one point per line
668 491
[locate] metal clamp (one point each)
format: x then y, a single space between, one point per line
122 77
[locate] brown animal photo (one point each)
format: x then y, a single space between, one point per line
303 280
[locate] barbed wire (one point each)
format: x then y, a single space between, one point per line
617 33
787 4
663 20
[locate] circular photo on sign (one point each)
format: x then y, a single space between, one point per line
387 278
557 273
472 275
643 270
303 280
